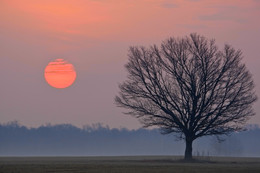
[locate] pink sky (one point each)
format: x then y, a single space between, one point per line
94 35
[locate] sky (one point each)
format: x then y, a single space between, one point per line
95 35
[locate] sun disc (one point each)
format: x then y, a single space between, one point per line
60 73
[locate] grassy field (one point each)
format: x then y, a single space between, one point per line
131 164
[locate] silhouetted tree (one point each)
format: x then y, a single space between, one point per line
188 86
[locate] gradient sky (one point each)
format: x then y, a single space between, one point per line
94 35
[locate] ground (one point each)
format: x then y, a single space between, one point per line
129 164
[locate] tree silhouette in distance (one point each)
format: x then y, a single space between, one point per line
188 86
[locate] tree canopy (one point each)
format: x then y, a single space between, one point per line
188 86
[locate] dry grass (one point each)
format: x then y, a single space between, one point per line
134 164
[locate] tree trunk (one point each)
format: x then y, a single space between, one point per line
188 150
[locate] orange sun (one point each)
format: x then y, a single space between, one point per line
60 73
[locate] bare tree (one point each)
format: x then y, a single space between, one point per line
188 86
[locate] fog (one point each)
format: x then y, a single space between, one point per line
100 140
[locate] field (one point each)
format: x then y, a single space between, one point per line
128 164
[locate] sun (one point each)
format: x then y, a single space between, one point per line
60 73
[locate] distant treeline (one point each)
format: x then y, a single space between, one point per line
99 140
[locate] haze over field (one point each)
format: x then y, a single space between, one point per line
94 35
98 140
